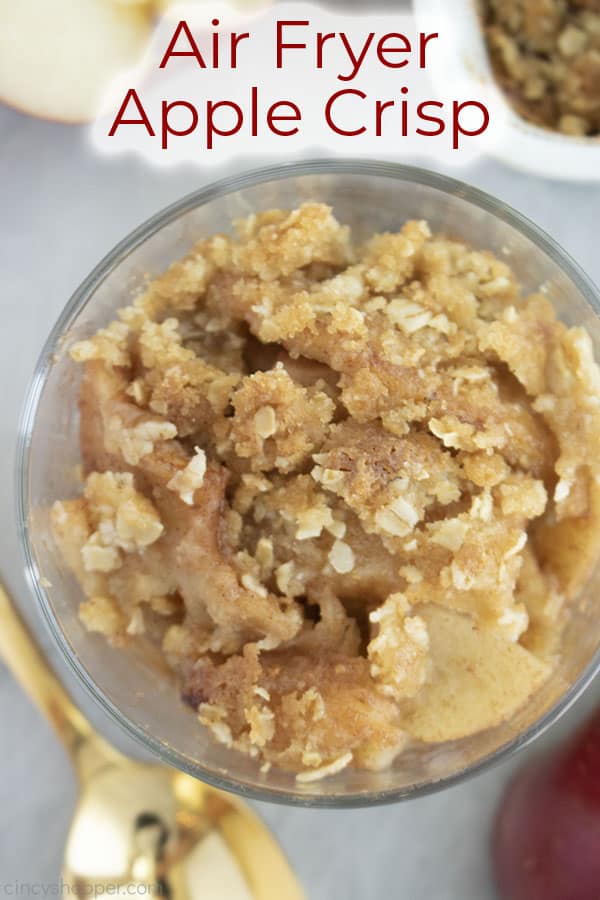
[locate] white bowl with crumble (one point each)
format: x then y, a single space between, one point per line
536 63
310 484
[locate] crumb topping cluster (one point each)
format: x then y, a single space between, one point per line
349 492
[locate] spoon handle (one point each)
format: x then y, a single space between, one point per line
26 662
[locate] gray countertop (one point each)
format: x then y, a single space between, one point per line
63 209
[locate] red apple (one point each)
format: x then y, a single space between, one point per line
546 838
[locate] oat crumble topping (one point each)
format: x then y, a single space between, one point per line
348 492
546 56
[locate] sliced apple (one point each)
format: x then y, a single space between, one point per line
478 678
58 56
163 5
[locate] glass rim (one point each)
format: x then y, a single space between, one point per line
79 300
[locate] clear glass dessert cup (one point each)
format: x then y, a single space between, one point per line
133 686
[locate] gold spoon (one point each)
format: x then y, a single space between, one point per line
145 829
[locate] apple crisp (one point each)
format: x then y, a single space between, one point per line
546 56
348 491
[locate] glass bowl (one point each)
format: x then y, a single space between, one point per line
131 686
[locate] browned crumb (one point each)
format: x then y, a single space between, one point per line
348 492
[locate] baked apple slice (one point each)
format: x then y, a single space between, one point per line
478 678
